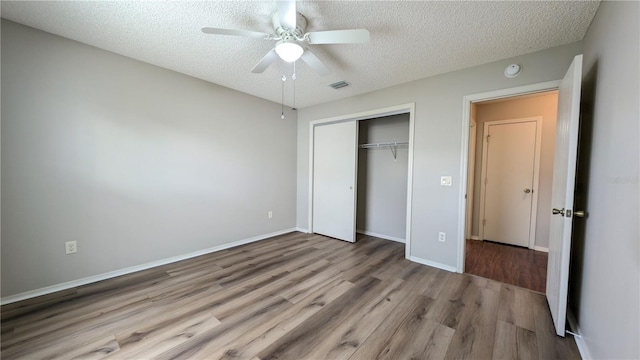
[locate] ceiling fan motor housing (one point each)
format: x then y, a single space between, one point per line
297 33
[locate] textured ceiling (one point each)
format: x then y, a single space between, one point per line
409 40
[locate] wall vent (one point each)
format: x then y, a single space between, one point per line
339 84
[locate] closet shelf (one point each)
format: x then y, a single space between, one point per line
383 145
393 145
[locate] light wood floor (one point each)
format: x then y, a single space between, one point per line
296 296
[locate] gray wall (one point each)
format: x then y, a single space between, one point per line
438 136
135 162
545 106
605 271
382 180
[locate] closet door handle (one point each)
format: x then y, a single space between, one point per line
526 191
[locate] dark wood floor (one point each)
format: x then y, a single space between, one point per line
509 264
296 296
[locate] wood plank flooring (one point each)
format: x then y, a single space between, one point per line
510 264
295 296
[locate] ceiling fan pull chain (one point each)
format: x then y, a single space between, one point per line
284 70
282 102
293 77
284 78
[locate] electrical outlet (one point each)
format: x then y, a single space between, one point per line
442 237
270 214
71 247
445 181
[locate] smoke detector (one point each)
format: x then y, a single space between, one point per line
512 70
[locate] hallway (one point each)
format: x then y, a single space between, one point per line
509 264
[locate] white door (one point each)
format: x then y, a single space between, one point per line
564 172
335 156
510 164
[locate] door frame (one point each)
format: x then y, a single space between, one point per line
466 115
536 175
365 115
471 169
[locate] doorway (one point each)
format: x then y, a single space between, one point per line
349 222
382 177
511 185
375 173
563 181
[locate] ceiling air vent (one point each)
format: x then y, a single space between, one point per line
339 84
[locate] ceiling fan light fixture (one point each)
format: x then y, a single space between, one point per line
288 50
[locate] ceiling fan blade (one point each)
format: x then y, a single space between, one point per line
264 63
312 60
287 14
245 33
354 36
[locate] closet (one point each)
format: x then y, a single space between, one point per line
360 173
383 160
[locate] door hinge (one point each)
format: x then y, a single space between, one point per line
488 136
486 181
484 221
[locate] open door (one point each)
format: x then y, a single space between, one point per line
564 171
335 156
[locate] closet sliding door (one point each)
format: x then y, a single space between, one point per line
335 156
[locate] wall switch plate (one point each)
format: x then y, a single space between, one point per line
70 247
442 237
270 214
445 181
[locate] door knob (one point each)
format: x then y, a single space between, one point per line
556 212
579 213
526 191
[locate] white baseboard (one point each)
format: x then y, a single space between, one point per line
541 248
132 269
381 236
306 231
475 237
575 328
433 264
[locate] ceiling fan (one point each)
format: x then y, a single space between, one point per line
289 27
